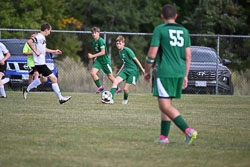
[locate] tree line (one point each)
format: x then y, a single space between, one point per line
230 17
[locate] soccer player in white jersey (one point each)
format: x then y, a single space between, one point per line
3 51
38 45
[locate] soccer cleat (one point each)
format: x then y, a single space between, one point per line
25 93
191 134
64 99
3 96
118 91
125 102
100 89
163 139
108 102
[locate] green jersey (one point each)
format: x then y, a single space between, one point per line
172 40
99 45
127 56
30 60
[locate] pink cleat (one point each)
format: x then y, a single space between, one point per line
163 139
100 89
118 91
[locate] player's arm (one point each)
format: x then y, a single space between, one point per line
150 59
101 53
30 43
57 51
139 64
2 62
188 62
120 69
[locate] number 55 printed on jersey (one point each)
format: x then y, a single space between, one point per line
177 39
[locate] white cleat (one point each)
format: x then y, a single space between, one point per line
25 93
64 99
125 102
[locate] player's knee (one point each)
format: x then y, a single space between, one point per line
125 90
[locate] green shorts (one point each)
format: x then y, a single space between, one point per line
168 87
130 79
105 67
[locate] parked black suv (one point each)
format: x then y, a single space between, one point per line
202 74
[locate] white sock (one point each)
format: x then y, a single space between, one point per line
56 89
5 80
2 91
33 84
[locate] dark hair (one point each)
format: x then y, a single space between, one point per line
45 26
95 29
169 11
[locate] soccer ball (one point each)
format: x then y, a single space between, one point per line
106 96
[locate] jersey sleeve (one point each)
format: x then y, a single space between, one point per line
188 41
102 44
35 40
156 37
3 48
130 53
26 48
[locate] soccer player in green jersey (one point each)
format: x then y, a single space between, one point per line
101 59
33 74
170 46
129 71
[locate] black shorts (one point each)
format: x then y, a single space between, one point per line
3 68
43 69
32 70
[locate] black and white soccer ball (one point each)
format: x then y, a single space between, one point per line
106 96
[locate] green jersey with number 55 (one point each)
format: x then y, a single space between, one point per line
172 40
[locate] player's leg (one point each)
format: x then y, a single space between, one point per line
2 91
165 128
96 67
168 89
125 95
56 89
108 71
115 84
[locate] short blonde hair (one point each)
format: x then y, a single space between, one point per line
95 29
120 38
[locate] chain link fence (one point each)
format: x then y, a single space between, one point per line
210 71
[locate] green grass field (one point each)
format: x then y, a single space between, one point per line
83 132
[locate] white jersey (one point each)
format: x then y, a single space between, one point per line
39 43
3 50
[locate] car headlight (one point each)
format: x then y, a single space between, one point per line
51 66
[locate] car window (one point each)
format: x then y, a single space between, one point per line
15 48
203 56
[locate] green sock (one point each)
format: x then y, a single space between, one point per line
112 90
125 97
180 122
165 127
98 84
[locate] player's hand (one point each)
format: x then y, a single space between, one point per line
90 56
38 53
147 77
185 81
58 52
2 62
143 70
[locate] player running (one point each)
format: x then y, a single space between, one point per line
129 71
38 45
101 60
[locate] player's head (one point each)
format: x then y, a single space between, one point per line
169 12
120 42
95 32
32 34
46 28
